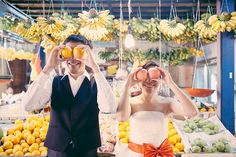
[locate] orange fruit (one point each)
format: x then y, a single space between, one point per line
30 139
36 153
38 140
15 140
43 136
41 144
7 145
78 52
10 131
36 134
9 151
19 127
24 145
19 153
66 52
28 154
43 148
44 153
25 150
175 150
17 148
3 154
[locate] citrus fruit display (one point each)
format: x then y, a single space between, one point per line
123 133
26 138
174 138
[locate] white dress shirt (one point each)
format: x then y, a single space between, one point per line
39 92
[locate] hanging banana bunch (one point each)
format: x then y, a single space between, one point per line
197 52
190 34
49 26
223 22
119 27
94 24
153 33
23 29
48 43
172 29
139 27
204 29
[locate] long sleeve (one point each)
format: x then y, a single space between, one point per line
39 93
106 99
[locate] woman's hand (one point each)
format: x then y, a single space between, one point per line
166 77
88 58
53 60
131 81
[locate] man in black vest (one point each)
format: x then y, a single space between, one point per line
76 100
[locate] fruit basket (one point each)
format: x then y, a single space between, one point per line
199 92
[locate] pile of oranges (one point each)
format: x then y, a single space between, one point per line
26 139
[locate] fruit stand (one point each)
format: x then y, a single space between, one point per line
195 40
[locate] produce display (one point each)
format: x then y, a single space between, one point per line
174 138
205 135
199 145
123 132
12 54
101 26
26 138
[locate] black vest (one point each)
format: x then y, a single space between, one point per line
73 119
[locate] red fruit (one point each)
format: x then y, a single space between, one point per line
141 75
154 73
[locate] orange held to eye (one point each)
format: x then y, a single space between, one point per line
66 52
78 52
141 75
154 73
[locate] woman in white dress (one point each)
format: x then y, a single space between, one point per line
148 114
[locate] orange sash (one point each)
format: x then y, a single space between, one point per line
148 150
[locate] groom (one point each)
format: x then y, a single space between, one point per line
76 99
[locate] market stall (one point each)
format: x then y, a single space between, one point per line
191 38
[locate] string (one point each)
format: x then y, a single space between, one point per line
62 6
82 5
160 42
198 10
93 2
129 9
222 6
43 8
139 11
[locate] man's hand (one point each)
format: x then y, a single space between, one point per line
53 59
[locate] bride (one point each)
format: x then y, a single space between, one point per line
148 114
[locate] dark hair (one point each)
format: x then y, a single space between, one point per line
149 64
78 38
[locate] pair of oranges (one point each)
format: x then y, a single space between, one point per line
67 52
152 73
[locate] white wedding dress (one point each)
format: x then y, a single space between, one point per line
145 127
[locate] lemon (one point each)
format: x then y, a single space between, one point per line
172 132
66 52
9 151
18 122
30 139
27 154
10 131
43 148
121 128
41 144
177 137
3 154
19 153
38 140
1 149
24 145
43 136
19 127
25 150
7 145
122 134
36 153
44 153
180 146
124 140
36 134
15 140
17 148
127 129
175 150
172 140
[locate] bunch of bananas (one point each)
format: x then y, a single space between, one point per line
153 33
204 30
139 27
223 22
189 35
118 27
172 29
94 24
7 22
53 25
67 31
48 43
196 52
23 29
